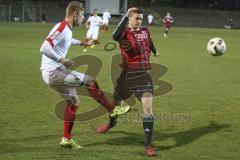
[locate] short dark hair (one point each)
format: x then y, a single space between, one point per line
95 11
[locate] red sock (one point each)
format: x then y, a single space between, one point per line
69 117
96 93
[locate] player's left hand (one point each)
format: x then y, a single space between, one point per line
68 63
157 54
87 43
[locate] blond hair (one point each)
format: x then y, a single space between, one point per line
134 10
74 6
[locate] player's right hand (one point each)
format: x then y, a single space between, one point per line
157 54
87 43
67 62
129 12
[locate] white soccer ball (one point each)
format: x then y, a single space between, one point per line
216 46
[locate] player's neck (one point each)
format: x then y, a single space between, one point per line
133 28
69 20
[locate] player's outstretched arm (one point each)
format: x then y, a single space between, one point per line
82 43
87 43
75 42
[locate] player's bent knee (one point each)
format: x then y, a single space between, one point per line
73 100
90 81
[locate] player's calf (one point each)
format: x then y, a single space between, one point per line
148 122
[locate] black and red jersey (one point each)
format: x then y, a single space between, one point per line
135 46
168 20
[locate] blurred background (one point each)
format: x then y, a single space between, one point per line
189 13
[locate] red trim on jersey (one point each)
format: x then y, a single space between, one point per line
61 27
50 41
68 25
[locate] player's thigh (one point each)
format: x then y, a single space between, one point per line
57 76
144 92
89 34
45 76
95 34
75 79
64 77
122 89
68 93
140 83
146 100
121 93
106 22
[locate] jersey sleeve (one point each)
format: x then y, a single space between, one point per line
152 46
120 28
55 38
75 42
48 51
57 35
89 19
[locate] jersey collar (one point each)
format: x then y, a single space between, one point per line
67 24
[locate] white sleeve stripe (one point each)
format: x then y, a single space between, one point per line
119 24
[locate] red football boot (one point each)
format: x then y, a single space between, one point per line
103 129
149 151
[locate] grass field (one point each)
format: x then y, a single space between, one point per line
206 90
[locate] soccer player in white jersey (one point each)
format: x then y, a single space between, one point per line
56 72
106 16
92 25
150 19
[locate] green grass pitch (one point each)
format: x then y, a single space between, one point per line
206 91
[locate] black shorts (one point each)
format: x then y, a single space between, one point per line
138 82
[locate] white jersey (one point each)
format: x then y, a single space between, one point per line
150 18
106 16
60 38
95 22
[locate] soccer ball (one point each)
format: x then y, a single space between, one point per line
216 46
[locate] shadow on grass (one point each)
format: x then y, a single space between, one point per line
180 138
41 143
187 137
